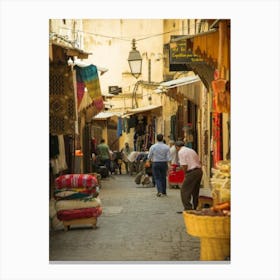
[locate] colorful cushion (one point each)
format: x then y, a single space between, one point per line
77 204
75 181
75 193
67 215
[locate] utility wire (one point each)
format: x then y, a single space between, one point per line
128 39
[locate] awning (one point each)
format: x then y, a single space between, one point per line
130 112
67 50
185 87
176 83
180 82
108 94
105 115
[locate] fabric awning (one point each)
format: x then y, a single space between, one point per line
180 82
183 87
105 115
130 112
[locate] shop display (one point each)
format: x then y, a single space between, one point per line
68 215
75 180
213 229
212 225
220 182
77 201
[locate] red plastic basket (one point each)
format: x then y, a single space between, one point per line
176 176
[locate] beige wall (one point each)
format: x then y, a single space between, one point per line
112 51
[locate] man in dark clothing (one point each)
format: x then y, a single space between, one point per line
103 153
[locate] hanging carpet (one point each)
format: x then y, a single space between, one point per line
89 76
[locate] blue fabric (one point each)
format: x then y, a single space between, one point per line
119 127
86 74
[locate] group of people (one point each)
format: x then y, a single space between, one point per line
160 155
103 156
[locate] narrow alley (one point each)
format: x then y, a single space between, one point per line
136 226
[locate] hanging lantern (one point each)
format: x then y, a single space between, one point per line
135 61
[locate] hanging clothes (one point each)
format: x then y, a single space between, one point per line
173 121
54 147
217 137
119 127
221 96
61 157
80 92
58 163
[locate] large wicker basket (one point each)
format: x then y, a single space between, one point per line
214 233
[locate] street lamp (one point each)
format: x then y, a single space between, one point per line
135 61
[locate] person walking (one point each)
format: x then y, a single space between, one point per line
132 162
173 161
103 152
190 163
173 153
126 150
159 154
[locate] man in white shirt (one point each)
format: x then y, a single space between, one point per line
173 152
126 151
159 154
173 160
190 163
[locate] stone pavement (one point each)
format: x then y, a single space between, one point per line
136 225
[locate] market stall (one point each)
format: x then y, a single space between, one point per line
77 201
212 225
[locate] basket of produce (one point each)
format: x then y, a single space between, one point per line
212 226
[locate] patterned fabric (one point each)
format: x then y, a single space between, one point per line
67 215
77 204
62 100
217 137
80 92
89 76
221 97
75 181
86 74
76 193
93 88
98 103
85 102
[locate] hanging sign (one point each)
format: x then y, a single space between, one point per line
181 51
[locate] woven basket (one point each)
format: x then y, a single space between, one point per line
214 233
207 226
214 249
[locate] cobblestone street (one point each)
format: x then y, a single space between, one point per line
136 225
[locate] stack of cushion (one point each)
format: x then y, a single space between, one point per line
76 197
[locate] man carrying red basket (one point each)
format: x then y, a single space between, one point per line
191 165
